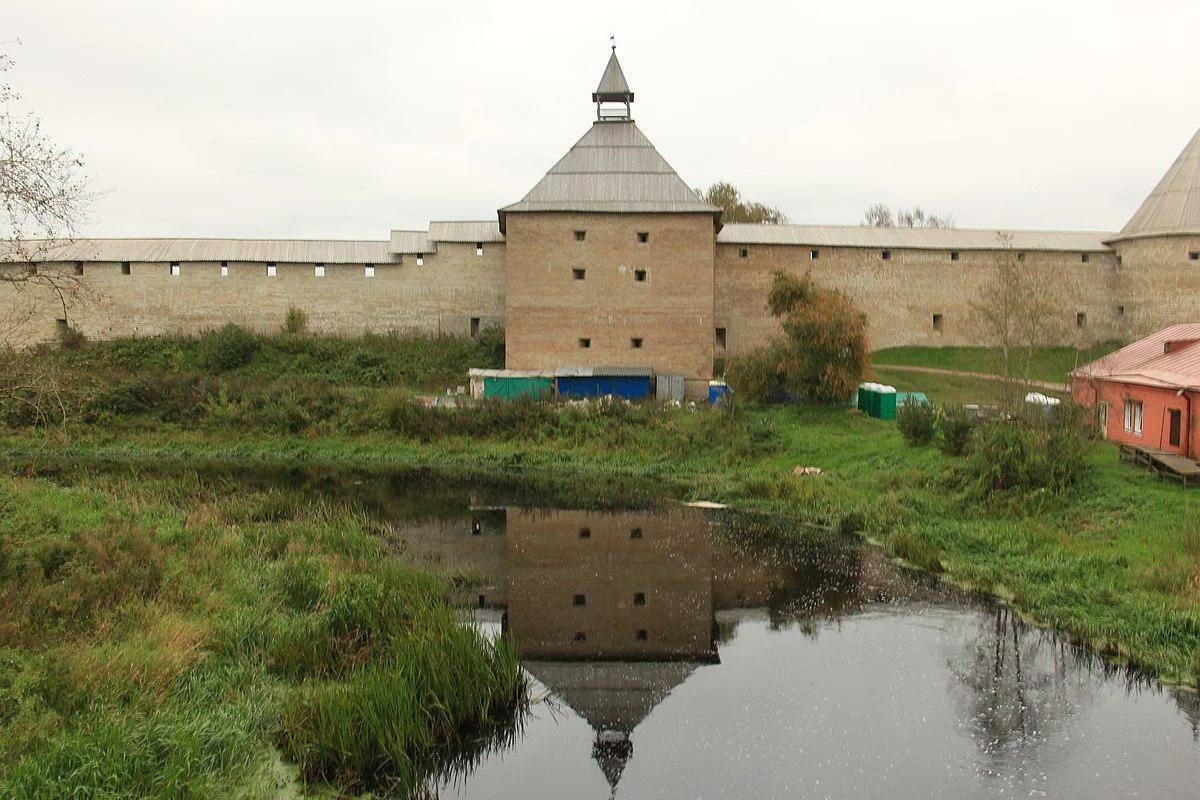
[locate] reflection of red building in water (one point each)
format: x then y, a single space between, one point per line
1147 394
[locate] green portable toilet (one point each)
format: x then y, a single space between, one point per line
863 403
885 399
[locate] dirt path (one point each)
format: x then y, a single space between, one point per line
1046 386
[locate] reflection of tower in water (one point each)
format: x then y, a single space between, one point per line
612 611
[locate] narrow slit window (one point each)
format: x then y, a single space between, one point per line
639 598
474 327
272 270
224 269
479 248
635 533
954 255
636 343
1120 311
580 235
1020 256
175 269
31 269
125 268
642 635
1194 255
578 273
743 253
886 255
579 600
420 259
938 321
319 270
643 237
1081 320
78 268
585 343
639 275
1084 257
580 636
585 533
721 337
368 270
814 254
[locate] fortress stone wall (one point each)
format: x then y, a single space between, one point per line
902 294
612 260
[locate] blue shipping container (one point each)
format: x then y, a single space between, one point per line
629 387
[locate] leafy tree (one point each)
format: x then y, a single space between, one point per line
822 355
881 215
734 208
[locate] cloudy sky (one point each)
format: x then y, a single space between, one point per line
345 119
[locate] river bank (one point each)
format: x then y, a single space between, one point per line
1115 564
164 637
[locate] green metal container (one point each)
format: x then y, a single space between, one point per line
864 399
508 388
886 405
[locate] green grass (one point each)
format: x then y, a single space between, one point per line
160 640
425 363
1048 364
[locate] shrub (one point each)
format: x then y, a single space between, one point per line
71 338
916 422
957 429
295 322
1036 452
371 367
228 348
755 376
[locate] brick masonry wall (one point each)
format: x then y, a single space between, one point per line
1158 282
900 295
439 297
671 311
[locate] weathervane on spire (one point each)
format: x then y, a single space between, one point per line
613 39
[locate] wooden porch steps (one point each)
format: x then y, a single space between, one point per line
1170 465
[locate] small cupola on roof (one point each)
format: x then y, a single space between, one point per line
614 168
1173 208
613 91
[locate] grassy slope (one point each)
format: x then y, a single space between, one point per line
159 640
1117 565
1049 364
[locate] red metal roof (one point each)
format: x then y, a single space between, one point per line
1147 362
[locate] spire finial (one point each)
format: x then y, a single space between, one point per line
613 89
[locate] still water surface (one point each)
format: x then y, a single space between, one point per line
678 653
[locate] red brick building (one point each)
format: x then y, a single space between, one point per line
1148 393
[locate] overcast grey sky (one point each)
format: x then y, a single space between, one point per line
345 119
